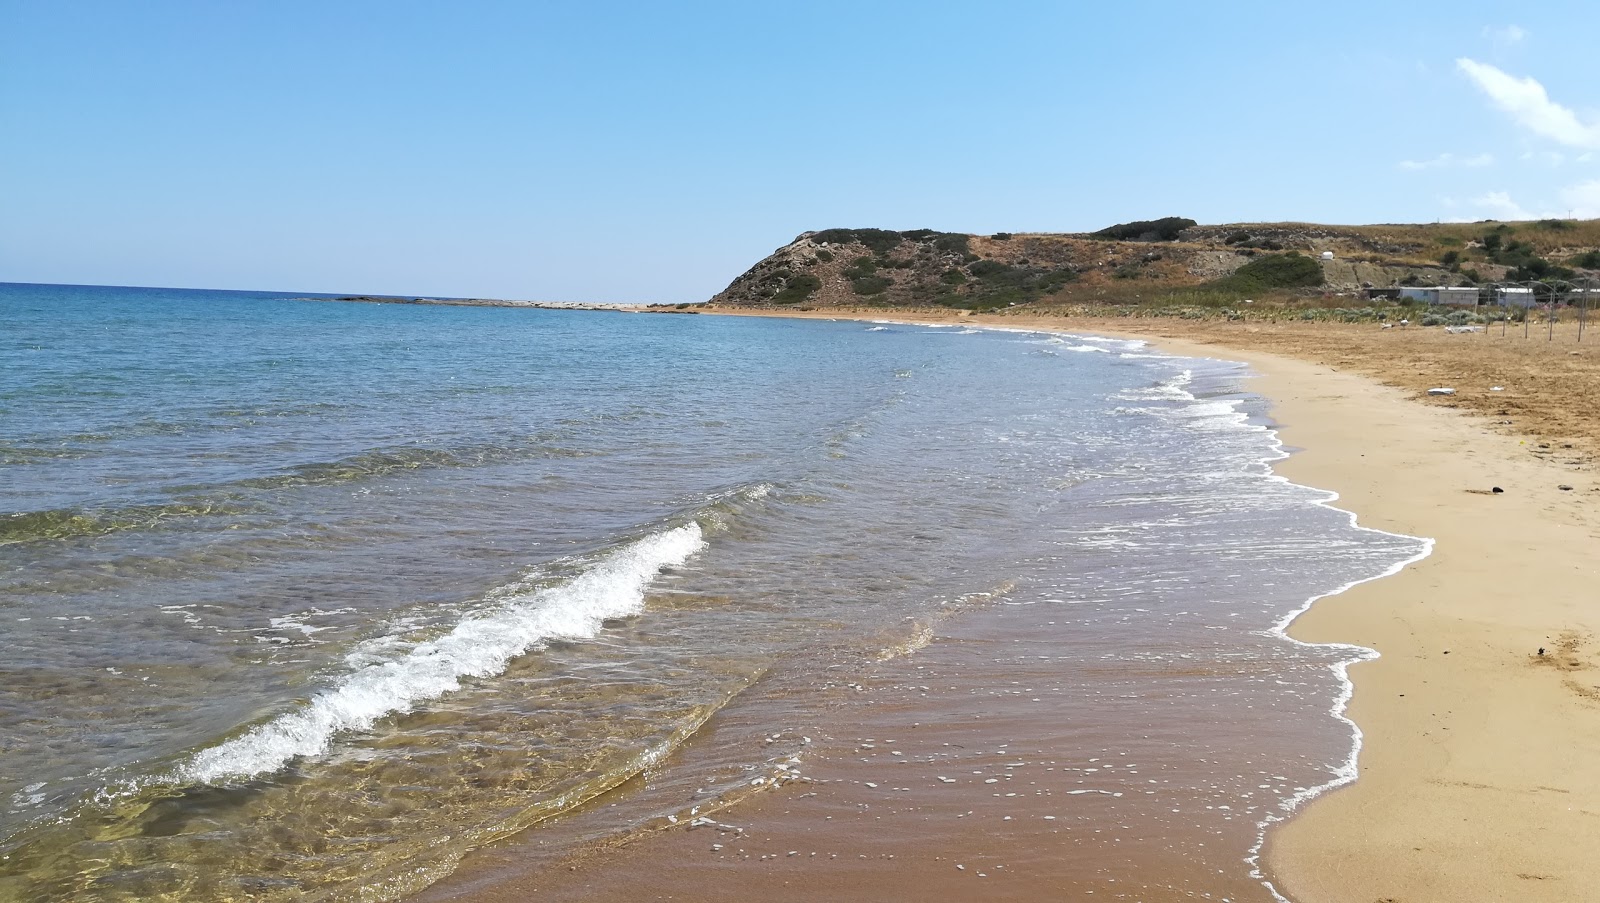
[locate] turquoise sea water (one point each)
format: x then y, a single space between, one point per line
304 599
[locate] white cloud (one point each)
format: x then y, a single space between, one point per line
1449 159
1580 201
1549 158
1583 199
1505 34
1530 105
1502 206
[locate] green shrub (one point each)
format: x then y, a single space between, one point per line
985 269
1236 238
953 276
1450 258
1001 236
1538 268
995 285
861 267
953 242
825 256
879 241
799 289
870 285
1589 260
1263 273
1291 270
1164 229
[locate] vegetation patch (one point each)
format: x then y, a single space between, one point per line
1270 271
799 289
990 284
870 285
879 241
1164 229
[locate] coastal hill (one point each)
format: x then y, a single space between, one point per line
1171 262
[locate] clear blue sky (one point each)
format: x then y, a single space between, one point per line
652 151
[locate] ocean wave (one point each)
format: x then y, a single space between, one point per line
479 645
74 523
236 497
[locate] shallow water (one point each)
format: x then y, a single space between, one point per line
305 600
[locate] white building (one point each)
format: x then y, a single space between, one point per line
1457 296
1514 297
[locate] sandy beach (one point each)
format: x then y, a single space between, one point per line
1472 779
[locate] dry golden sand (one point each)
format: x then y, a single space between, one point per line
1480 771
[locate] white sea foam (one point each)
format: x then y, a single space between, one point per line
480 645
1225 414
1176 388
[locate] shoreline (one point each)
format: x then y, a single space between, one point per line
1445 807
1487 796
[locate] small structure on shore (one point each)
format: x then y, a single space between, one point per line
1453 296
1514 296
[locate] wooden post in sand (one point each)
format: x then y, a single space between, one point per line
1555 305
1583 306
1533 298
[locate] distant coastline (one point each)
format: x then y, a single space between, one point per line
467 302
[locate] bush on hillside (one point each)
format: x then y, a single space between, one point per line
1538 268
994 285
1270 271
1164 229
1291 270
799 289
879 241
861 267
870 285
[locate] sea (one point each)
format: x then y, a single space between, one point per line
304 599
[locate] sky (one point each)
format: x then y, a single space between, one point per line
651 152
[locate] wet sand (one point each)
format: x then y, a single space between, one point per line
1473 778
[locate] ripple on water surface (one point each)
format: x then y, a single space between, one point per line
423 577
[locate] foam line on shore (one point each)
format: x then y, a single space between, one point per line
1347 771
